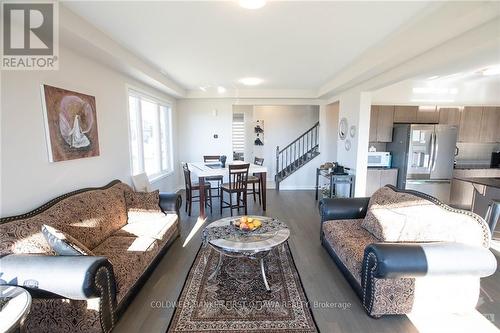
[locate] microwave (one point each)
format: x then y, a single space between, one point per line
379 159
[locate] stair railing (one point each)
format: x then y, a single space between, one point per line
297 151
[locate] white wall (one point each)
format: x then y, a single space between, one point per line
27 178
199 120
355 107
282 123
330 131
473 90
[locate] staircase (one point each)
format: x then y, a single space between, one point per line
296 154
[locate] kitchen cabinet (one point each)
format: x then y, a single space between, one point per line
490 125
449 116
427 115
377 178
470 124
405 114
385 123
373 123
381 123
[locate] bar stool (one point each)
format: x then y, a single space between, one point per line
190 188
238 177
218 179
255 179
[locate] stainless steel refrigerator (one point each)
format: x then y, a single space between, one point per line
424 155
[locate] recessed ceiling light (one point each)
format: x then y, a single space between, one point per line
221 89
250 81
252 4
492 70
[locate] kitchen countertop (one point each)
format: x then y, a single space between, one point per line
472 167
380 168
486 181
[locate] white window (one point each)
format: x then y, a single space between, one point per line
150 135
238 136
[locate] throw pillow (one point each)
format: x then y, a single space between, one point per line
143 201
63 244
394 216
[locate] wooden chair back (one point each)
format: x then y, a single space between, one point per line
258 161
238 176
211 158
187 176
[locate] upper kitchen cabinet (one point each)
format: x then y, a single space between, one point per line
373 123
490 125
470 124
381 123
427 115
385 122
449 116
405 114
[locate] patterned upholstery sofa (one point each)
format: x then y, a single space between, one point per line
404 251
86 293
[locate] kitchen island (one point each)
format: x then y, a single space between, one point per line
462 192
486 189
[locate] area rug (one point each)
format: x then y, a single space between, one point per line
236 300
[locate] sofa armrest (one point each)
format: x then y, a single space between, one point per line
410 260
343 208
73 277
170 202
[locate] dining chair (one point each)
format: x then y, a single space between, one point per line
190 188
218 179
255 179
238 182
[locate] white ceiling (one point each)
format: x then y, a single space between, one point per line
455 84
290 45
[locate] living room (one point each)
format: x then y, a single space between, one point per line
220 166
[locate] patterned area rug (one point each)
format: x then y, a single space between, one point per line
236 300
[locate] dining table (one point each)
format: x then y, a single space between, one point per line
203 170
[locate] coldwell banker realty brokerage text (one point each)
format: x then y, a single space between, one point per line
30 35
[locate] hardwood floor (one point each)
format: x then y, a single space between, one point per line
152 308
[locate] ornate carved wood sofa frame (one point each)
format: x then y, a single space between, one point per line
84 293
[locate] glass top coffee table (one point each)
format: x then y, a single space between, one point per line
228 240
15 304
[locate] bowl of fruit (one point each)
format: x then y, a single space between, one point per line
246 223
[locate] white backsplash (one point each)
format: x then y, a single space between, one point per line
475 153
380 146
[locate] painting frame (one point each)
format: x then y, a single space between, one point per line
70 119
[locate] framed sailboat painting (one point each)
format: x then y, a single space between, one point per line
70 124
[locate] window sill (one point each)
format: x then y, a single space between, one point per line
158 177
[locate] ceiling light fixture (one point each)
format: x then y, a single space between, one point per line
492 70
250 81
252 4
203 89
221 89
